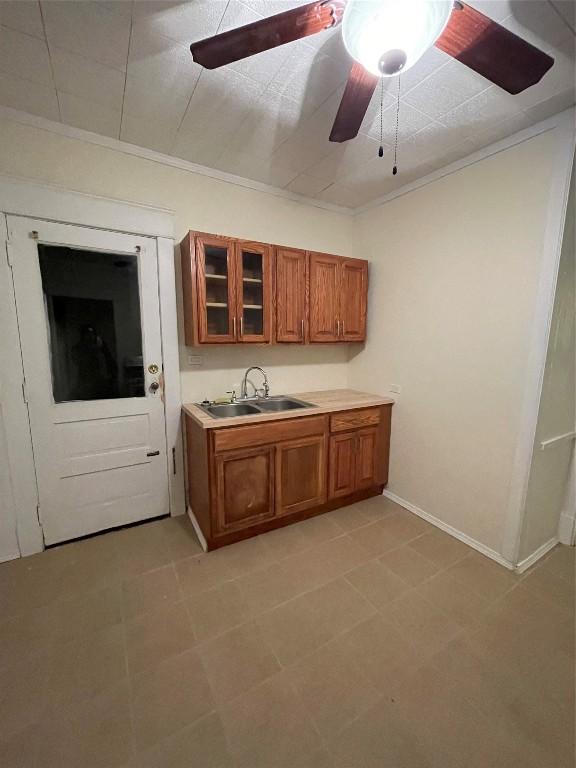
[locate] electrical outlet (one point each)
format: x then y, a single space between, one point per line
195 361
396 388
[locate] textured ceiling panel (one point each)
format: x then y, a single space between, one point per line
124 69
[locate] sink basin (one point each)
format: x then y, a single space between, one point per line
269 405
231 409
281 404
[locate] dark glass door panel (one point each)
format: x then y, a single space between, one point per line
92 303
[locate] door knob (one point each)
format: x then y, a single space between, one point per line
154 387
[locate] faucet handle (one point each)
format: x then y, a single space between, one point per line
233 393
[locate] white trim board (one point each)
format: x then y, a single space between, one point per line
36 201
540 332
22 197
523 565
492 149
447 528
24 118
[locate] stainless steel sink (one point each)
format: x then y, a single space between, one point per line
230 409
261 405
281 404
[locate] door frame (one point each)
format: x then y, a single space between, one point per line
28 199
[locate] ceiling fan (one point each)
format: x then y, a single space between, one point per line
385 38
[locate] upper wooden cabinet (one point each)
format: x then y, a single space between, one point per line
291 293
227 290
237 291
338 298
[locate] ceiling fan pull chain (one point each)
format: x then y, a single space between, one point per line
395 168
381 148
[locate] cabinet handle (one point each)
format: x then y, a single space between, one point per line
343 331
234 327
338 329
241 326
302 328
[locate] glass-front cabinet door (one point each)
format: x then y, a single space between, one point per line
216 279
254 292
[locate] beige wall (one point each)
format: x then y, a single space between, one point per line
550 470
452 296
199 203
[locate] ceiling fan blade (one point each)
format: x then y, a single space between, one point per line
355 100
236 44
492 50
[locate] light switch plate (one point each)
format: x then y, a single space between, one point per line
396 388
195 361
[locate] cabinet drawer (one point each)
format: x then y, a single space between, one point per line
366 417
268 432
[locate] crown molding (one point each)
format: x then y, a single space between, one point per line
562 118
42 123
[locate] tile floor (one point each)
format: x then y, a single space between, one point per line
364 638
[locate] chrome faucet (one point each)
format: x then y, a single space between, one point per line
245 380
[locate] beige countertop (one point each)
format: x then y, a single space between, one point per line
324 401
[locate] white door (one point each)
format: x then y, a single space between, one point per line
88 314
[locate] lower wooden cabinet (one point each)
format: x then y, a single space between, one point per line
244 488
244 480
300 474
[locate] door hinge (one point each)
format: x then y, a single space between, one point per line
173 461
9 258
24 391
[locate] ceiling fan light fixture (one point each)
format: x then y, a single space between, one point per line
389 36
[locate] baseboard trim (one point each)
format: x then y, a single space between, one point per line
566 529
7 558
523 565
477 545
197 529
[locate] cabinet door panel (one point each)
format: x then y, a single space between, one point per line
216 286
324 297
244 488
342 475
254 281
300 474
353 299
291 295
366 458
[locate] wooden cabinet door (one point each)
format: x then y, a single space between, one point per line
244 489
254 292
366 450
216 289
291 288
342 471
300 474
353 299
324 297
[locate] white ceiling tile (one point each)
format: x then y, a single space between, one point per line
306 185
89 115
567 9
429 63
23 15
480 112
158 134
270 122
445 89
24 56
152 104
185 22
551 106
162 63
220 94
340 194
29 97
96 30
344 158
410 121
278 172
88 79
